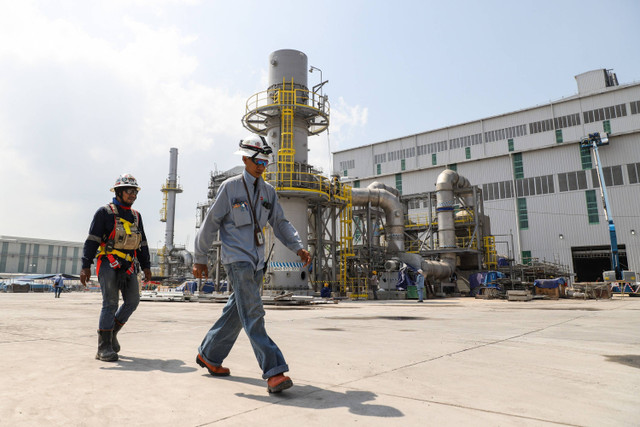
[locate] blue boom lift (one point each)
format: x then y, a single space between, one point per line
593 141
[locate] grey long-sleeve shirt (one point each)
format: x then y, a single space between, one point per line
231 214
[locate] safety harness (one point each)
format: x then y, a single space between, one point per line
125 235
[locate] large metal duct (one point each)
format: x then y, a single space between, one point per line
386 198
382 196
185 255
432 269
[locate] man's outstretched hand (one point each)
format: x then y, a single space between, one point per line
200 271
85 276
305 257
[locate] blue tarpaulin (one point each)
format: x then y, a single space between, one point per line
475 282
549 283
484 278
192 286
404 278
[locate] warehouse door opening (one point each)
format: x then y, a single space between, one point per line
590 261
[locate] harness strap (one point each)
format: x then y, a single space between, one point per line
113 262
116 252
126 224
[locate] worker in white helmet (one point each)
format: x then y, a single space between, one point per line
242 207
116 234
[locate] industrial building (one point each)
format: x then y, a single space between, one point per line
25 255
539 187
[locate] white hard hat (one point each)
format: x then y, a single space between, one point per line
420 271
255 146
125 180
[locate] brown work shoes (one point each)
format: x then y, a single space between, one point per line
216 371
279 382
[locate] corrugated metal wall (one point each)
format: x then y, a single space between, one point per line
547 152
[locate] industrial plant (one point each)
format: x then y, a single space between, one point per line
480 208
450 202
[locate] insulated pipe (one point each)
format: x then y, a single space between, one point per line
387 198
187 258
380 195
432 269
447 181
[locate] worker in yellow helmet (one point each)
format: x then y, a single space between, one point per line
326 291
373 284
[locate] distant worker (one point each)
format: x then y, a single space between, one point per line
373 284
325 292
420 285
117 235
243 206
58 285
336 185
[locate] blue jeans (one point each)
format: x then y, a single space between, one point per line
112 282
420 293
243 310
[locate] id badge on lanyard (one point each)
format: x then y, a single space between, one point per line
258 236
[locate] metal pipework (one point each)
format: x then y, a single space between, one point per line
432 269
382 196
187 258
447 181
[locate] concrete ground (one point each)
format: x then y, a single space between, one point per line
456 361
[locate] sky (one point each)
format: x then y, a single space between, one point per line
93 89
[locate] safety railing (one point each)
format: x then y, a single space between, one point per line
268 103
490 253
299 181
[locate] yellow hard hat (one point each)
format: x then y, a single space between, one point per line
326 284
374 272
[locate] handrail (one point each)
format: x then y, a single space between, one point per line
269 103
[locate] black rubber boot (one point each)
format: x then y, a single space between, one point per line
115 345
105 351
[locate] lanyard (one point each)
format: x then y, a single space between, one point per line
259 238
253 212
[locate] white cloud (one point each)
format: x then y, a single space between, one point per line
79 105
77 110
346 121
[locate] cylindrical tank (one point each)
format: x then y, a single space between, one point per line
288 64
288 72
300 139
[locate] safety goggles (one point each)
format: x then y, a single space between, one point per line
131 191
260 162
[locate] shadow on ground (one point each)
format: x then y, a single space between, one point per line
632 360
306 396
173 366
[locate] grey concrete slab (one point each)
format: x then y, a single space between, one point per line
445 362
